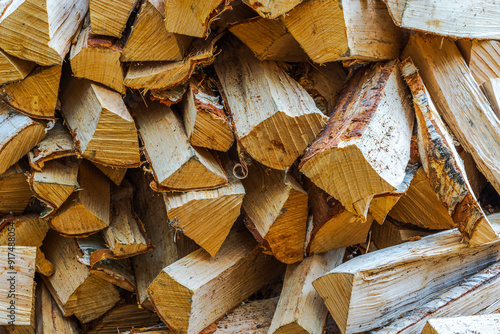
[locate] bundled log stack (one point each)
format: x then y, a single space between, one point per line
298 166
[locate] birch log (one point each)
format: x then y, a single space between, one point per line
482 58
480 324
491 88
109 18
271 9
15 193
13 69
115 174
392 233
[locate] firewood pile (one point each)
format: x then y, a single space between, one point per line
273 166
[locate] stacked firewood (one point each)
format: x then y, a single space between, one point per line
273 166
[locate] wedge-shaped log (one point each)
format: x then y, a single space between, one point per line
14 190
206 216
392 233
49 317
469 297
300 308
463 106
350 30
40 31
74 288
164 137
12 68
115 174
482 58
274 117
489 323
204 117
271 9
86 211
193 292
18 135
365 146
444 166
491 88
109 18
97 58
358 290
450 18
275 208
268 39
192 18
170 96
149 39
102 127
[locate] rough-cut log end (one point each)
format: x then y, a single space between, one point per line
83 222
272 9
13 69
109 18
14 190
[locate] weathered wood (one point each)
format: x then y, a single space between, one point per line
482 58
110 17
300 308
204 116
274 117
13 69
86 211
491 88
40 31
115 174
462 105
193 292
73 287
175 163
18 135
480 324
271 9
102 127
365 147
275 208
149 39
358 302
15 193
268 39
350 30
392 233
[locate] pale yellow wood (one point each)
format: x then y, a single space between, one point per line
40 30
102 127
14 190
123 317
482 58
158 329
331 30
115 174
271 9
491 88
170 96
49 316
110 17
193 292
479 324
12 68
392 233
274 117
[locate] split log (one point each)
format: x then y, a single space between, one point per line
271 9
163 136
15 193
300 309
158 329
274 117
86 211
480 324
109 18
268 40
189 17
102 127
481 57
47 29
97 58
450 18
469 297
365 146
443 165
392 233
358 302
28 230
207 216
350 30
74 288
49 316
491 88
170 96
275 209
476 179
204 117
250 318
115 174
195 291
149 39
239 12
18 135
463 106
13 69
332 226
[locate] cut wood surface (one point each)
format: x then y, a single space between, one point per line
175 163
450 18
49 316
330 30
392 233
110 17
275 209
14 190
86 211
491 88
274 117
101 125
12 68
271 9
434 262
480 324
482 58
195 291
462 105
170 96
18 135
365 147
115 174
149 39
40 31
204 116
300 309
